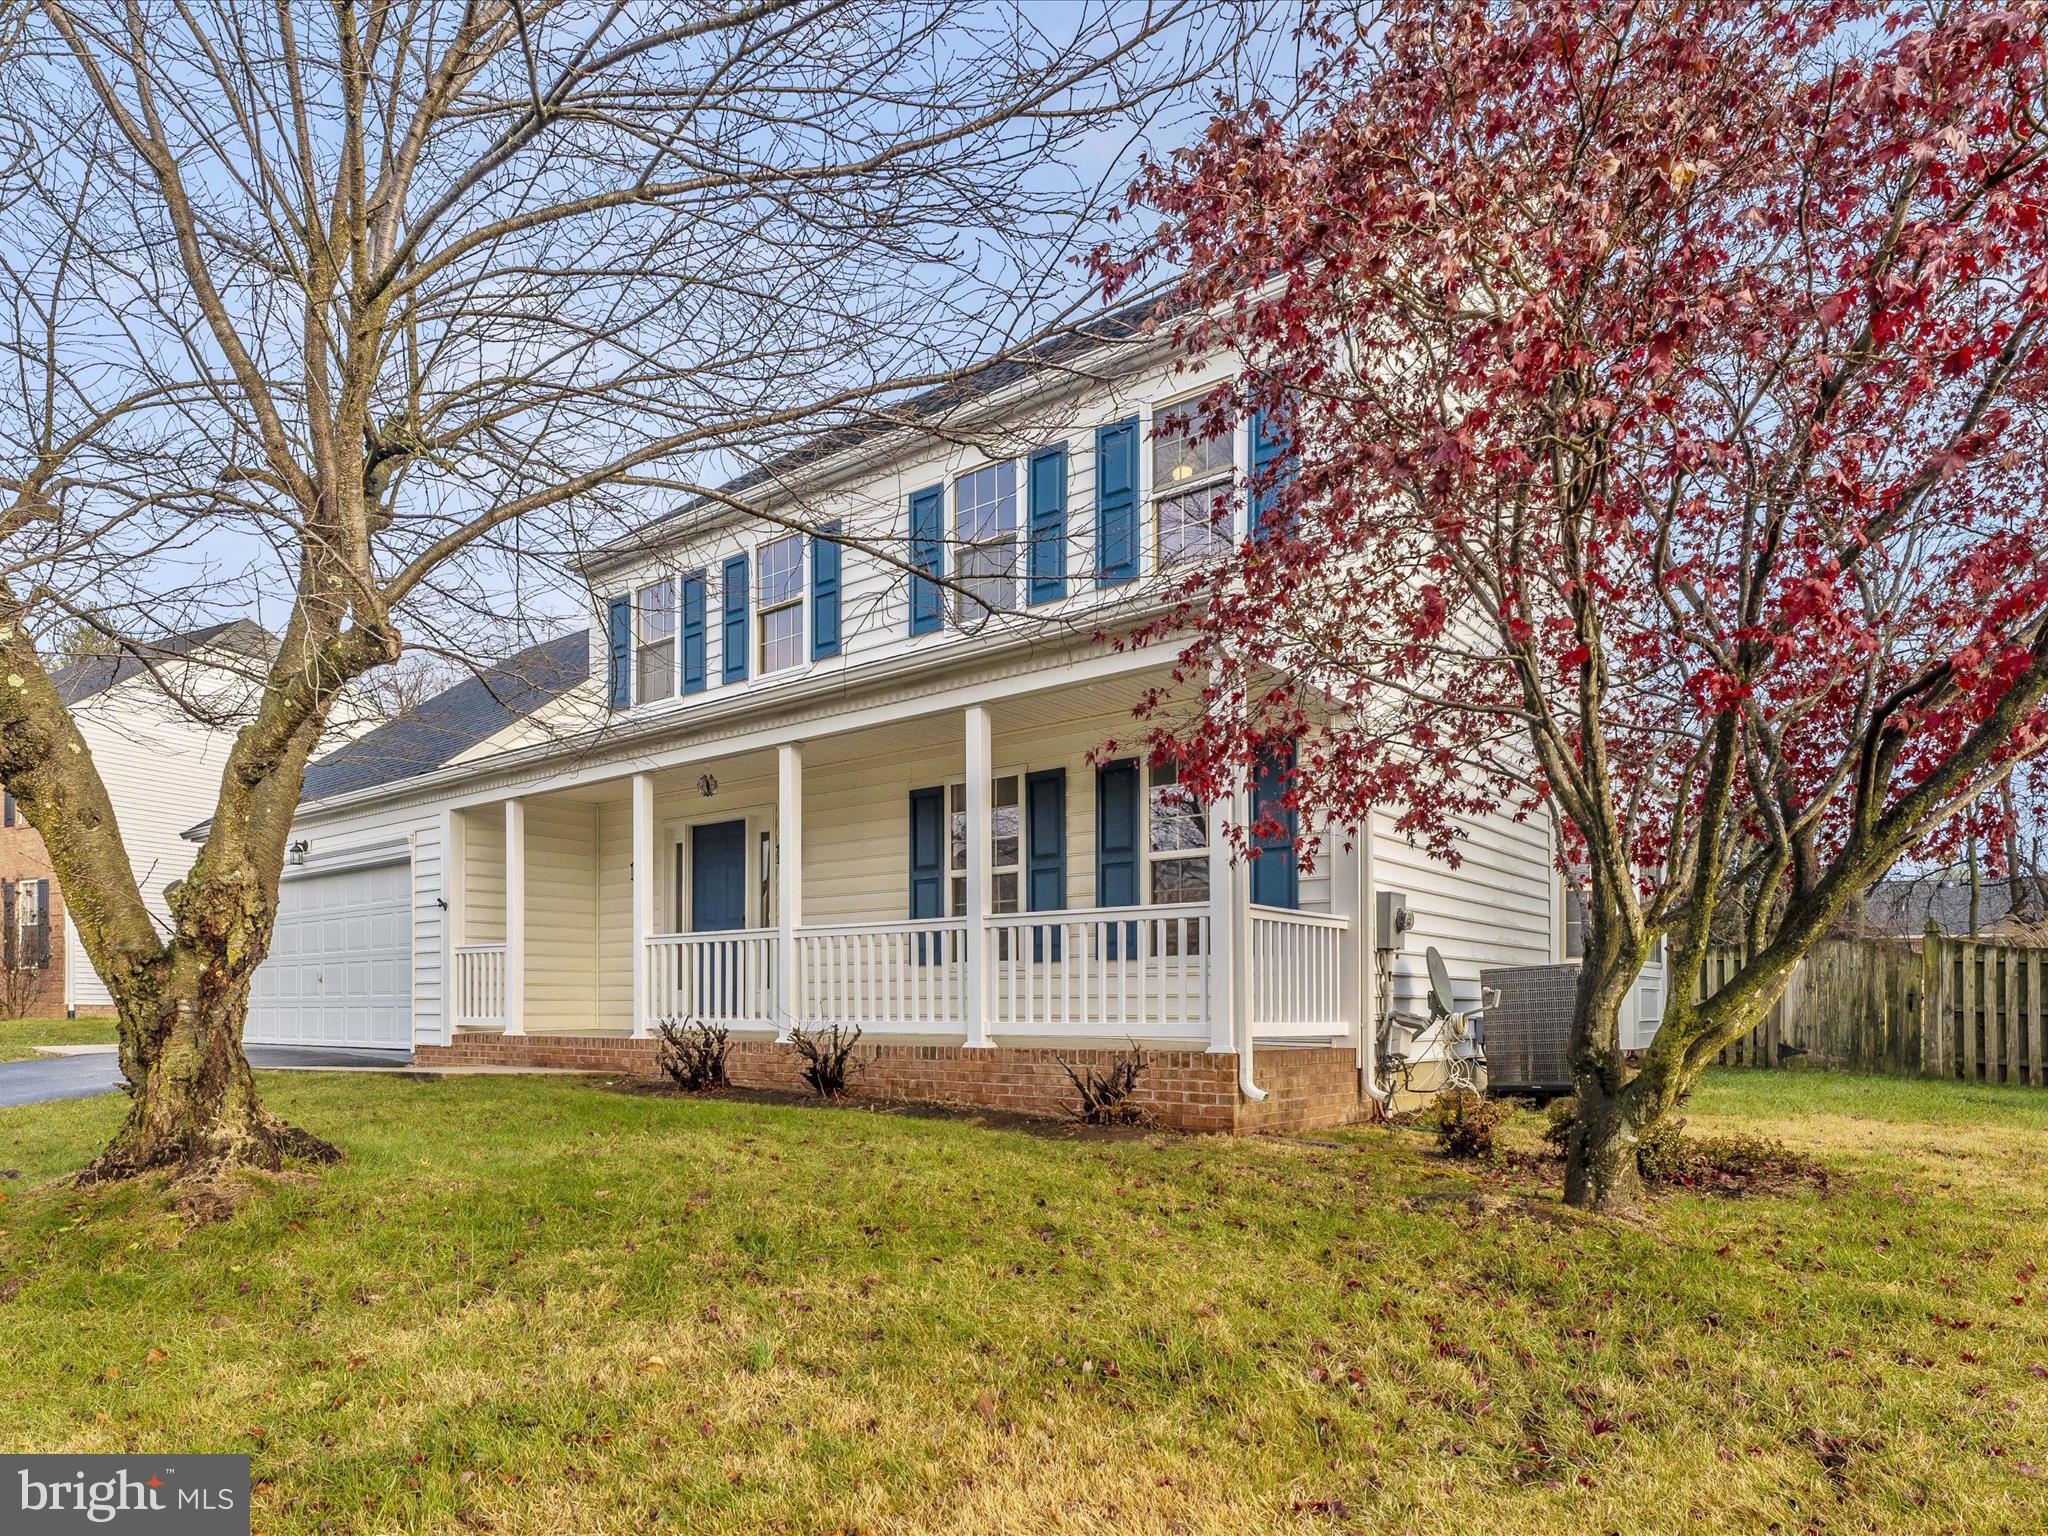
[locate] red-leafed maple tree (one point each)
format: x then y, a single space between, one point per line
1664 385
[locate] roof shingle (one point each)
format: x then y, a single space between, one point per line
454 720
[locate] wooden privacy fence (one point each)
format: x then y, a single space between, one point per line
1937 1007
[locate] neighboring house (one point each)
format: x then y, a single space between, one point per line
157 717
1907 908
806 783
31 911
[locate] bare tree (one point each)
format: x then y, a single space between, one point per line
390 293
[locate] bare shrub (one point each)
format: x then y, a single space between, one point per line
692 1053
1107 1096
828 1057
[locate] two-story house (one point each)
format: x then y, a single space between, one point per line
846 771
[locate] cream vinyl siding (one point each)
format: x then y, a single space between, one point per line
561 915
483 839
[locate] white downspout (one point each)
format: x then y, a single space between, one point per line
1369 967
1241 966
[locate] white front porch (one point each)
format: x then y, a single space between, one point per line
772 887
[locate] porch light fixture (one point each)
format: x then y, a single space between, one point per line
707 784
299 850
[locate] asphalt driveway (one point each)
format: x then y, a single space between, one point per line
77 1077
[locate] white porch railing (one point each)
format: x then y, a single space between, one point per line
1121 971
479 984
1137 972
1297 973
724 978
909 976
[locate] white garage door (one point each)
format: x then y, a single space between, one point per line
340 966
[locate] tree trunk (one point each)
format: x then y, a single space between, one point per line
1600 1164
193 1107
1600 1161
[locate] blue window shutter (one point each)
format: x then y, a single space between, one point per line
825 592
928 847
1046 485
694 649
619 658
1045 852
927 554
1270 454
1045 840
1276 876
732 636
1116 850
928 853
1116 503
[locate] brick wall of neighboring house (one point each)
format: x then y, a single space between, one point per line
23 860
1307 1089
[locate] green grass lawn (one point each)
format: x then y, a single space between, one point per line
530 1305
20 1037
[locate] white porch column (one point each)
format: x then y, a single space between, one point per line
1222 1000
980 769
643 893
515 917
789 882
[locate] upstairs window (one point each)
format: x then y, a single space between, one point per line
1190 486
654 654
985 536
779 601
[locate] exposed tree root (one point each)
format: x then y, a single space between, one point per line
261 1143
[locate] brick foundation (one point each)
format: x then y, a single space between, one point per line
1306 1089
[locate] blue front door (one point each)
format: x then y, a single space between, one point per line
718 904
718 877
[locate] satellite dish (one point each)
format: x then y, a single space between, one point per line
1443 1002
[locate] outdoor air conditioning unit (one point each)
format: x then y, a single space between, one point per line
1529 1031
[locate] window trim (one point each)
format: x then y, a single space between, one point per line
969 612
762 609
1155 495
1016 868
642 646
1181 855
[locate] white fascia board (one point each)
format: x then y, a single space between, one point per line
708 726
